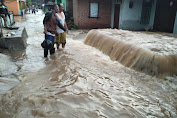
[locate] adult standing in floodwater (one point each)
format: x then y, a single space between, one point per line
61 38
50 23
29 8
50 31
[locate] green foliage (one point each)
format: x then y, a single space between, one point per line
70 22
29 3
34 3
74 26
71 25
72 19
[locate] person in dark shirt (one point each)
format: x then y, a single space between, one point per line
50 22
33 10
4 13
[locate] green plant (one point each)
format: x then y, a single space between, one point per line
34 3
29 3
74 26
72 19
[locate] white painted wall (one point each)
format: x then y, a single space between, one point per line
130 17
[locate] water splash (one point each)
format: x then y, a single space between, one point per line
7 67
133 56
80 81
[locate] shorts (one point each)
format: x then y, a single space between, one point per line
61 38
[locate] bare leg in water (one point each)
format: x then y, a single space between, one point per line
63 45
58 46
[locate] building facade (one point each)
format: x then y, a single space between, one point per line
92 13
157 15
17 6
133 14
165 15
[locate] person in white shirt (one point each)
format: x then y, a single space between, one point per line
61 38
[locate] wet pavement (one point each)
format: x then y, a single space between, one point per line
81 82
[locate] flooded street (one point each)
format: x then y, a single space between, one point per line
81 82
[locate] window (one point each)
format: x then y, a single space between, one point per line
94 10
146 12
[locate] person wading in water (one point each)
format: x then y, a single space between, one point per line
61 38
50 22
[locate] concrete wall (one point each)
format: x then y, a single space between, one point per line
112 14
69 7
175 26
81 14
17 42
130 17
75 11
153 11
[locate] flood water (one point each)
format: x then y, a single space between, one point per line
81 82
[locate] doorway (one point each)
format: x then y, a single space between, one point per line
165 15
116 15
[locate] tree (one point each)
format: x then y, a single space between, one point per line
29 3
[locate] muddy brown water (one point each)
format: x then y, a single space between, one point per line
134 56
81 82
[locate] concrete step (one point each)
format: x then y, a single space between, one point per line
15 42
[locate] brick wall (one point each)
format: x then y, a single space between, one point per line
12 5
81 14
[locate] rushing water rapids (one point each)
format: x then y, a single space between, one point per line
81 82
131 51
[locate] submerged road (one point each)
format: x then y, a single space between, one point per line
81 82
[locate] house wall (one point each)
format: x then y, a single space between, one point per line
12 5
69 7
165 16
130 17
81 14
175 26
112 14
75 11
151 23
